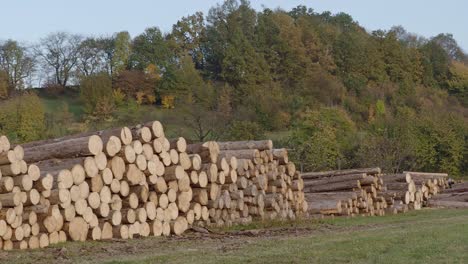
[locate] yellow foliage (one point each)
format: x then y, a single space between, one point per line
459 73
152 72
119 96
140 97
151 98
167 101
23 118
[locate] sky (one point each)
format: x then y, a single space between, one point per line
30 20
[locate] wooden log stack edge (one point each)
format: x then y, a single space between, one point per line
368 192
135 182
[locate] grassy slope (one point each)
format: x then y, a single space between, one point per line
53 104
173 120
428 236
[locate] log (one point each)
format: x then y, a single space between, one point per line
325 207
251 154
250 144
4 144
338 186
402 177
447 204
427 174
281 155
178 144
207 151
335 179
77 147
77 229
315 175
8 157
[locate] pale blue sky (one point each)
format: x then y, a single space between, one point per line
29 20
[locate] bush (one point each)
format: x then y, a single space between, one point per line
245 130
23 118
320 138
3 85
97 95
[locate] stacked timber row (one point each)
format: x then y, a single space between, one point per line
346 192
455 196
20 185
243 180
412 190
135 182
369 192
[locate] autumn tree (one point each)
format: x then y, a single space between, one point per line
135 83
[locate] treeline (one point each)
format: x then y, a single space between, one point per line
346 96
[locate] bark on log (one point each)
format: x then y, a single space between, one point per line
314 175
77 147
447 204
250 144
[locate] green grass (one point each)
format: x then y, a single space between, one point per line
427 236
54 104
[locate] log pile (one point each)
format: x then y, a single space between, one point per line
454 197
412 190
369 192
135 182
346 192
249 179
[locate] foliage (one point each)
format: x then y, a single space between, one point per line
4 85
245 130
135 83
97 95
18 62
22 118
321 137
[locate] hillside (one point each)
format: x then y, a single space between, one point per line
321 85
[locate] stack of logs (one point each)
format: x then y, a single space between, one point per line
369 192
135 182
345 192
456 196
414 189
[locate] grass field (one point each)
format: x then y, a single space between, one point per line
427 236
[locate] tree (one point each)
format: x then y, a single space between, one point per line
188 36
18 62
229 48
122 51
436 63
134 82
150 47
91 57
59 51
450 45
458 81
196 100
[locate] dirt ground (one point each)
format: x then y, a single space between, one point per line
279 242
102 251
